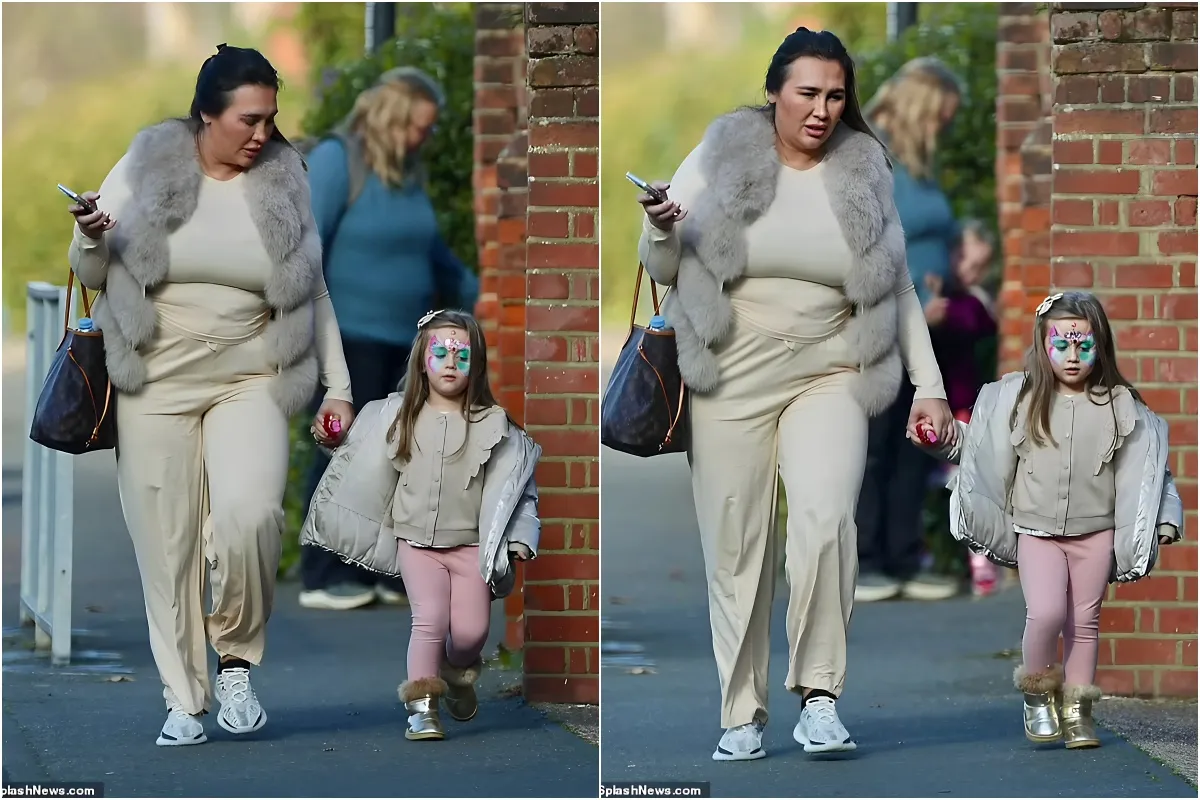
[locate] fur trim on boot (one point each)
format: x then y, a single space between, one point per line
421 699
461 701
1045 682
421 687
1074 694
461 676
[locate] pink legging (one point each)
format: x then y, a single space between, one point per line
1064 579
451 607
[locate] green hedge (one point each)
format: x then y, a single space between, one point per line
439 39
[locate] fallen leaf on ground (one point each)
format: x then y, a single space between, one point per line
119 679
641 671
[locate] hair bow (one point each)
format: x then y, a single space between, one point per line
425 320
1044 306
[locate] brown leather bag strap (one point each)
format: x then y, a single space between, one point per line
87 306
637 291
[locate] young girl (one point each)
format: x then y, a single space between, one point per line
436 485
1063 474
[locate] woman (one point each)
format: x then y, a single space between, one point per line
386 264
910 112
793 311
216 327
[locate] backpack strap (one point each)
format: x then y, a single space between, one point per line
356 165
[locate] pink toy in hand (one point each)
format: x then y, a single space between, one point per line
332 423
926 433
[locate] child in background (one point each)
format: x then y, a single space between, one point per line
1063 472
961 318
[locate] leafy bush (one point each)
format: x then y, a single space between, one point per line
439 39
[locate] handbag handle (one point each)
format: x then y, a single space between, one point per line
87 306
637 291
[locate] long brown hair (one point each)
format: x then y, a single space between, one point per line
415 385
1039 386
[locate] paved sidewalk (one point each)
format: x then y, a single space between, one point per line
929 695
336 727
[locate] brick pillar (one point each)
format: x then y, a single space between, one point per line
1124 211
1023 132
500 118
562 589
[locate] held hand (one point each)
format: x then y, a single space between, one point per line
662 215
935 414
333 420
92 224
1165 540
935 311
519 551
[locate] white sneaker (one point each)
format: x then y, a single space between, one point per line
181 729
240 709
743 743
820 730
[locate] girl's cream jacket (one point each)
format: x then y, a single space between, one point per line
351 511
981 509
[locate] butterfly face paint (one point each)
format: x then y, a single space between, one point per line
1066 345
1071 347
448 351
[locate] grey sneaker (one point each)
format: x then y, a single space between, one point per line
928 586
873 587
820 730
743 743
341 597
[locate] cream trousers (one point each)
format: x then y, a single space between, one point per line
782 408
202 464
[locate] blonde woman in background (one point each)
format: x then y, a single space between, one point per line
386 264
909 114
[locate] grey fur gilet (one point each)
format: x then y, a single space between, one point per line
164 180
741 168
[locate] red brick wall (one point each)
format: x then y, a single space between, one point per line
1023 141
562 625
1123 210
500 119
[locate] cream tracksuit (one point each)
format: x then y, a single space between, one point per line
783 405
202 452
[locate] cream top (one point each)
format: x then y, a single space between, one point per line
439 493
1069 488
216 276
797 262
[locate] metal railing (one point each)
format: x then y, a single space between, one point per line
47 490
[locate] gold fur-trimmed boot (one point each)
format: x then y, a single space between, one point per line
1043 692
421 699
461 701
1079 730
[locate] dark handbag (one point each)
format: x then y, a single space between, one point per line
76 410
644 412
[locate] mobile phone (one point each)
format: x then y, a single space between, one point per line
657 194
88 204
